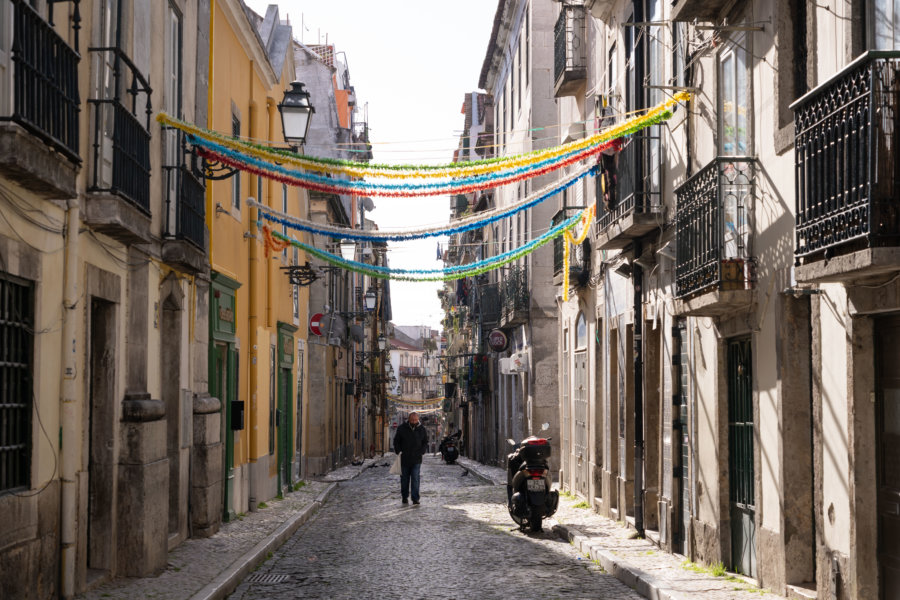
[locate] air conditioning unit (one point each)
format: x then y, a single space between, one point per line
505 366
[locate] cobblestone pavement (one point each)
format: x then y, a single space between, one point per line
459 543
196 562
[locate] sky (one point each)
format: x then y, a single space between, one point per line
412 62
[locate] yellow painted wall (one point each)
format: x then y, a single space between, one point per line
242 86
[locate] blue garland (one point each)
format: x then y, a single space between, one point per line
487 262
355 234
362 187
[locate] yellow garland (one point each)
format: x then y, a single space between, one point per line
455 172
568 238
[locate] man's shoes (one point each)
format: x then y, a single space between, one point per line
405 501
415 501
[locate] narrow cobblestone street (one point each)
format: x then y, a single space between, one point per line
458 543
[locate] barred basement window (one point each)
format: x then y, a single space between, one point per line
16 343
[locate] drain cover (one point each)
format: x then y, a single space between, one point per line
267 578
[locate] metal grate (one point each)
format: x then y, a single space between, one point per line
268 578
16 342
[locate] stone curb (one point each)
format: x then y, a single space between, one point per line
228 580
475 469
639 580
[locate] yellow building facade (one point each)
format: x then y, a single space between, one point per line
258 320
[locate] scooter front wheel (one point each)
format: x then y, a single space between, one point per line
534 523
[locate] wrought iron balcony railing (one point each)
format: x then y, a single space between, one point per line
847 160
714 220
45 82
629 176
514 294
576 256
412 372
121 136
185 216
569 45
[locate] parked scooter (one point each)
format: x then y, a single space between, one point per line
449 451
528 483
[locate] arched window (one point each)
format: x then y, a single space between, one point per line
580 332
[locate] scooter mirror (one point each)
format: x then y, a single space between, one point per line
545 426
511 442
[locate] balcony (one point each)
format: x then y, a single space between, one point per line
39 107
701 10
715 272
630 207
579 258
119 200
412 372
360 136
848 173
185 235
514 297
569 56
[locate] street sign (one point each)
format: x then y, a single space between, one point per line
315 322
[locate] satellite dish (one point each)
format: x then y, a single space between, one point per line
368 204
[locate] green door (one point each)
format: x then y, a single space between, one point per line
681 443
222 386
740 457
284 421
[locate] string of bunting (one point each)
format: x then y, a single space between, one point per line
467 224
318 183
448 170
568 239
445 274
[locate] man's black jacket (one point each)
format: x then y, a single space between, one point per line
413 443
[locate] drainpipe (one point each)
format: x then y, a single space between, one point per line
637 279
270 267
252 414
70 409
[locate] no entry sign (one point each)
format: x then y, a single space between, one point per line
315 322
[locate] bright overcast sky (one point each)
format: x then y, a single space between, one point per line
412 62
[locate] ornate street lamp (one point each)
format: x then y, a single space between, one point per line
370 299
382 342
348 249
296 114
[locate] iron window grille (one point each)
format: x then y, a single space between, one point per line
714 224
16 387
121 134
514 295
847 164
45 81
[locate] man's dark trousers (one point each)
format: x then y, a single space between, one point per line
409 474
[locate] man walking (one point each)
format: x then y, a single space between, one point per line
411 442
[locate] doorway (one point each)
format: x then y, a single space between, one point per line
222 385
741 428
170 363
887 416
681 440
101 461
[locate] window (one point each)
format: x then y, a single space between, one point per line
172 155
16 343
512 81
581 340
236 178
734 98
527 45
259 189
884 25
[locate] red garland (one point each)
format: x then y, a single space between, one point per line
337 189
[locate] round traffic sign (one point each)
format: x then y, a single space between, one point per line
315 322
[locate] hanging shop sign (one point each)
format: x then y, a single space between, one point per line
497 340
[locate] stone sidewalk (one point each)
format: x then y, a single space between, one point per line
639 563
210 568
